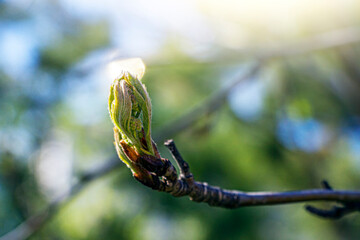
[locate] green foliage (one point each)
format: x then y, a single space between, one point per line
74 45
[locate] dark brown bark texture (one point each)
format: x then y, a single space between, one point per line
166 179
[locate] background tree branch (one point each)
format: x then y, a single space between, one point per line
35 223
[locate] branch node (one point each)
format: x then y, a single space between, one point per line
325 184
181 163
336 212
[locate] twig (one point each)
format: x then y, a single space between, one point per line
182 165
200 192
335 212
215 196
37 221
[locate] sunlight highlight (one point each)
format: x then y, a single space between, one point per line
135 66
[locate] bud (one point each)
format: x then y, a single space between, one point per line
130 112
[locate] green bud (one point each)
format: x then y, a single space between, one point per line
143 100
130 112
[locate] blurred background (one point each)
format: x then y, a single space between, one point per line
283 79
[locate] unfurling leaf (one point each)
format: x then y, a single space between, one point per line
130 112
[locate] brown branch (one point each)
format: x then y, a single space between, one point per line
182 165
335 212
215 196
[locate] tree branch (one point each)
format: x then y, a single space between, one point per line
335 212
215 196
34 223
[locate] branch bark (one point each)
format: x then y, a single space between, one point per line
184 185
